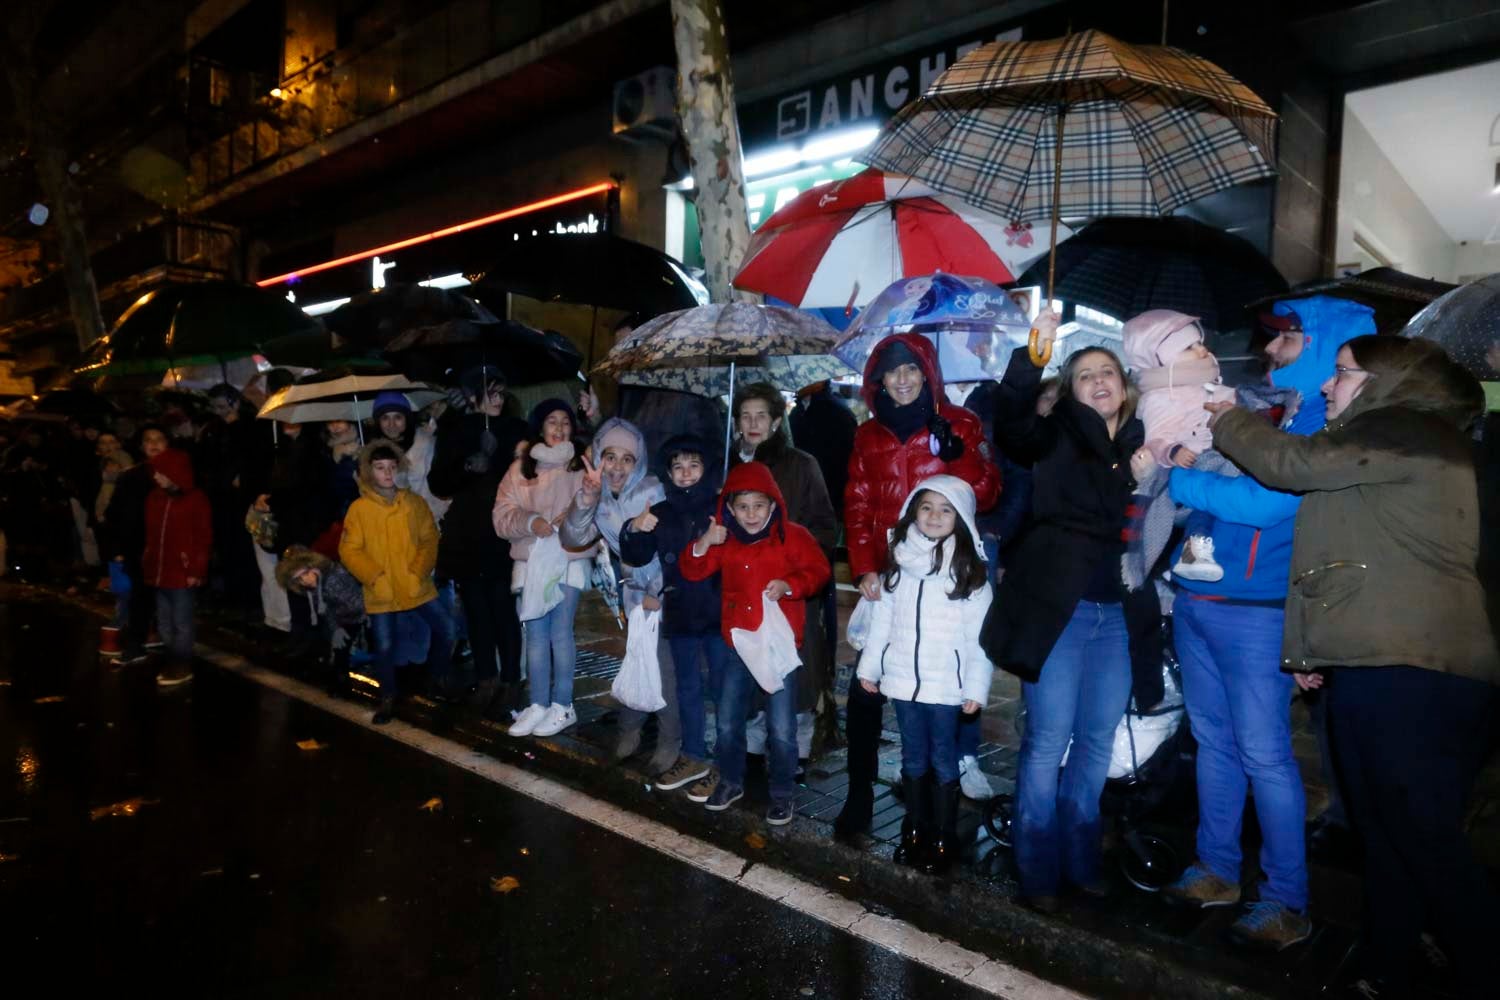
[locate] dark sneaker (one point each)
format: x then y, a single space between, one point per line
684 772
703 788
1270 925
1201 888
780 813
724 796
384 712
173 676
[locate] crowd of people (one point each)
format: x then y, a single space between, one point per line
1317 533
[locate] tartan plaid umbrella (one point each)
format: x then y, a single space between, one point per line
1085 125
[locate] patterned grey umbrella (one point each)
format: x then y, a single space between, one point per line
1466 323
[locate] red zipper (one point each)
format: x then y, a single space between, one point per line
1254 544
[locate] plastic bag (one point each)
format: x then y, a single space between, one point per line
769 652
859 624
638 684
541 587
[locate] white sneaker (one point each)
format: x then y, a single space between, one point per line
528 720
558 718
1202 567
972 781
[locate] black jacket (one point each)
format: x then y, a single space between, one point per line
1081 487
468 546
824 428
122 534
689 607
302 498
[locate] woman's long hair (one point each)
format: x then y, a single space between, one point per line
1070 368
967 568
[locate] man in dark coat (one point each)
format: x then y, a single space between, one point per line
824 427
122 539
474 449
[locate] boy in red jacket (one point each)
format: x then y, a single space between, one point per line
757 553
179 537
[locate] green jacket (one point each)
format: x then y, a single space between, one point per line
1387 537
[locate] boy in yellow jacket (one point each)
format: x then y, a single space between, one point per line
390 545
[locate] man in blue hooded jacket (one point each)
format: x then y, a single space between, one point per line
1228 639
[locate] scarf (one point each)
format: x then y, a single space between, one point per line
914 554
904 421
552 455
1182 375
746 538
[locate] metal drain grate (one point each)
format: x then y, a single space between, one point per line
599 666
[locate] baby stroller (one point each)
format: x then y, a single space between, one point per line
1153 753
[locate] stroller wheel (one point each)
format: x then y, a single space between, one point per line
999 813
1148 862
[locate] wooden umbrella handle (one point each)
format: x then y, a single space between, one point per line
1038 357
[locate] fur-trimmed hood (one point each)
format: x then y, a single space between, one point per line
366 474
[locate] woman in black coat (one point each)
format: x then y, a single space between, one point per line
1063 620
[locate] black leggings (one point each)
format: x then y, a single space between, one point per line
494 628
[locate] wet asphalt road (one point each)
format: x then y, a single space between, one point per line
250 867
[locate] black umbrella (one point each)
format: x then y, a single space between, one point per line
371 320
75 403
441 353
1124 267
201 323
1394 295
599 270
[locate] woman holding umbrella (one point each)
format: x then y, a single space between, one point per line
1063 620
915 434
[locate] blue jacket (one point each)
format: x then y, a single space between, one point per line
1253 525
689 607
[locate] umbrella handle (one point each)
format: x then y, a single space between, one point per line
1038 357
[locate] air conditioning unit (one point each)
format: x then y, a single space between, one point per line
646 104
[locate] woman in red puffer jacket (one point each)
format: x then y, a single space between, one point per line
914 433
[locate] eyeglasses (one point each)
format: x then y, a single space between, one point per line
1340 371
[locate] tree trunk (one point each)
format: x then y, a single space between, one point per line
50 160
705 111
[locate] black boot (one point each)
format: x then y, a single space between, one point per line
944 845
385 711
863 732
916 826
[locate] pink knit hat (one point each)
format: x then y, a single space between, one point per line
1155 337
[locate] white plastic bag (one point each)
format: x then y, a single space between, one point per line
859 624
769 652
541 587
638 684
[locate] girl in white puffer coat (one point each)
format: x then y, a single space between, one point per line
923 654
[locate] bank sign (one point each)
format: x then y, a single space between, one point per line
862 97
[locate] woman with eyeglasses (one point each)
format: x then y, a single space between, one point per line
1385 607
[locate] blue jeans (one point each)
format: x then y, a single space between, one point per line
551 652
928 740
174 620
1239 705
1080 696
739 692
690 693
385 633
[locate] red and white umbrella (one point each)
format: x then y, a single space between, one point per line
840 244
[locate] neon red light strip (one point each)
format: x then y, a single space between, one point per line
509 213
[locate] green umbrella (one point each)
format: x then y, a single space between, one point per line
202 323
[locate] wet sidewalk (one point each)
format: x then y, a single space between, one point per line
1128 945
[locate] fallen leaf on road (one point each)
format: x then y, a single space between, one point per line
756 841
7 857
51 699
432 805
526 851
311 745
127 808
505 884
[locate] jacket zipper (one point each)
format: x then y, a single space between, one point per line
916 655
161 542
958 670
1254 547
1337 564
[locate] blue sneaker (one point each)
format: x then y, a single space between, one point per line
724 796
1270 925
1200 888
780 813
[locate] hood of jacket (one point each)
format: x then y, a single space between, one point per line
616 426
293 561
960 494
927 359
748 477
1143 336
367 472
708 486
176 465
1429 382
1327 323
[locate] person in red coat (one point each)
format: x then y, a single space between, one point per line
914 433
759 555
179 538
